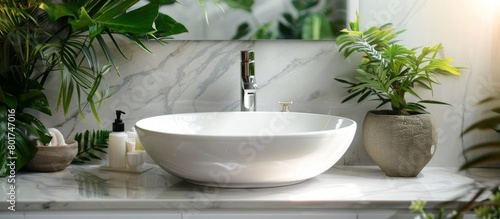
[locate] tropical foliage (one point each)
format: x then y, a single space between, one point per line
485 209
44 38
306 22
388 70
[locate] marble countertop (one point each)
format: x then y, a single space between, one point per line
86 187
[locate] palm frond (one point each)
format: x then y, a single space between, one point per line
492 148
391 69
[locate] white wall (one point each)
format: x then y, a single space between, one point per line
196 76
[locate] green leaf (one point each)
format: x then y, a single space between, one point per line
86 141
10 101
496 110
316 27
415 108
69 95
163 2
83 159
34 99
139 21
482 159
110 35
44 137
354 25
264 32
167 26
433 102
241 4
95 29
63 91
423 84
82 22
344 81
58 10
139 42
488 123
442 65
365 75
93 108
489 99
384 102
113 9
355 94
204 10
33 84
42 134
301 5
107 53
367 94
486 145
242 30
93 156
25 149
288 31
98 148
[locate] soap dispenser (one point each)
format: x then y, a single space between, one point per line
117 143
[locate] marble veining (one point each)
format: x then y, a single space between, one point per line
87 187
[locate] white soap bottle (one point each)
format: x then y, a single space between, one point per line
117 143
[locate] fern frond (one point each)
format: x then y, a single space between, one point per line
89 144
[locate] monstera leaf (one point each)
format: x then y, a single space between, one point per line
17 130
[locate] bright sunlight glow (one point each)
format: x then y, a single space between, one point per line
490 4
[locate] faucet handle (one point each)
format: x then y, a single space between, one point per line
286 105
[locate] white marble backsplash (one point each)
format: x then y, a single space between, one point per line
200 76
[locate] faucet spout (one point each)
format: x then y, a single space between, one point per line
248 82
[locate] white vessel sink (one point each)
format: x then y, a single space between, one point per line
246 149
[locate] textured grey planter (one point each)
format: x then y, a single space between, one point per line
399 145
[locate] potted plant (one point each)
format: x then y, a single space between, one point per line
45 38
400 140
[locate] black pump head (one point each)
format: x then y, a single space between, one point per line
118 125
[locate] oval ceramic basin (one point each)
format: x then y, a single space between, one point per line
246 149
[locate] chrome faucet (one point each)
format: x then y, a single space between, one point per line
248 83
